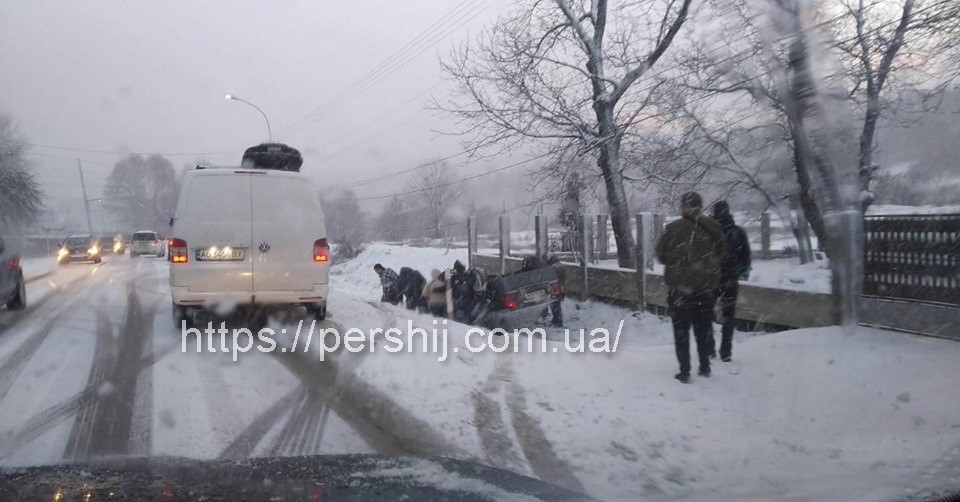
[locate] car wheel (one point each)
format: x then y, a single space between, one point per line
181 315
19 300
132 254
98 260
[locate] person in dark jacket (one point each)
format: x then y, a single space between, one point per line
556 309
734 266
389 281
411 283
691 249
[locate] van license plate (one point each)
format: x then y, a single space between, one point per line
219 255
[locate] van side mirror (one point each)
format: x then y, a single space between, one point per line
171 220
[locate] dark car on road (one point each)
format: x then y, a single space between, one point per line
13 291
79 248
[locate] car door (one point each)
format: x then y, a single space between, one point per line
286 223
216 215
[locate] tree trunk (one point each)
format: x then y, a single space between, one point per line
808 201
609 163
865 167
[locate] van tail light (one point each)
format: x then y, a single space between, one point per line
13 264
510 301
178 250
321 251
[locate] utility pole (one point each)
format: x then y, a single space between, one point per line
86 202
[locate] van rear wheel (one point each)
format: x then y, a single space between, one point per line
319 312
181 315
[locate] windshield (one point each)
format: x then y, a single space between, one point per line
610 250
144 236
78 241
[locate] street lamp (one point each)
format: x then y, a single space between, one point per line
235 98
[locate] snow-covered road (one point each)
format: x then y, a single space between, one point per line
94 367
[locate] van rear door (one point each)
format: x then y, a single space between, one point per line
216 215
286 222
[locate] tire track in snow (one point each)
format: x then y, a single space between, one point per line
246 442
382 423
498 446
104 423
113 422
535 445
79 441
13 366
498 443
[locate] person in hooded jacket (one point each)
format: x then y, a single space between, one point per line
691 249
734 266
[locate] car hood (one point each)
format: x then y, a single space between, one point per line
353 477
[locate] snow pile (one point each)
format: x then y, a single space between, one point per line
357 277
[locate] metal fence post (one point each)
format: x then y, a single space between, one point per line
504 242
765 235
542 240
641 267
603 239
471 239
586 241
646 239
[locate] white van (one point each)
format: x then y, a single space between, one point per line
245 237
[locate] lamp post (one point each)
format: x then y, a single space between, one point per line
235 98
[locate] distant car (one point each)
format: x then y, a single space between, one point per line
148 242
248 236
79 248
119 244
13 291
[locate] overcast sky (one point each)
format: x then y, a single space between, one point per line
150 77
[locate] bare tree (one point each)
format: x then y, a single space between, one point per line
562 75
437 191
345 220
892 48
21 198
142 191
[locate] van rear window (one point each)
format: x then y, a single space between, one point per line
218 199
144 236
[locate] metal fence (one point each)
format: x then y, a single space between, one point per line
914 257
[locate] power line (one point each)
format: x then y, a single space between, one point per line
114 152
454 182
706 96
392 64
731 58
372 72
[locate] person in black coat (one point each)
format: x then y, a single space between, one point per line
734 265
410 284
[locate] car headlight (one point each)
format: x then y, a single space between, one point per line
117 246
62 253
94 250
